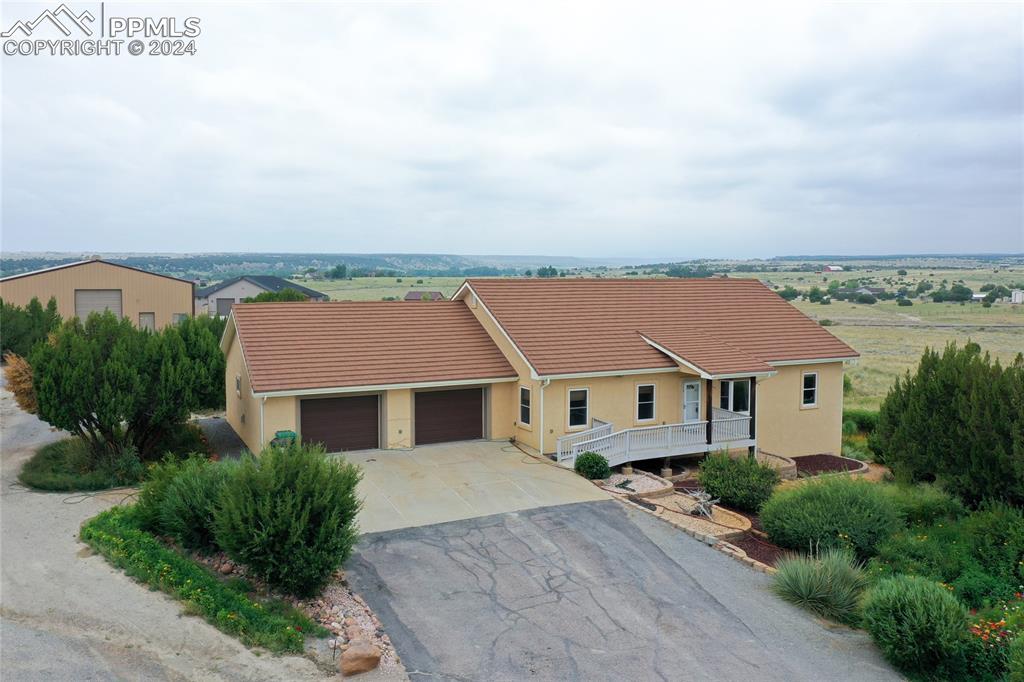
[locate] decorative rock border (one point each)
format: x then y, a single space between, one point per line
709 540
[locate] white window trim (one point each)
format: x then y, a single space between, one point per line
568 410
654 404
803 405
529 422
722 384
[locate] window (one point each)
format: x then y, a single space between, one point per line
178 318
147 321
524 405
578 407
238 384
645 402
810 390
735 396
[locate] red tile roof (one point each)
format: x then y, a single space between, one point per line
570 326
295 346
704 351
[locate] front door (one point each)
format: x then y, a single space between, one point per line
691 401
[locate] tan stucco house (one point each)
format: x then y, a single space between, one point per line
634 369
150 300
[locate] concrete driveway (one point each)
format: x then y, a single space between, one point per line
439 483
590 591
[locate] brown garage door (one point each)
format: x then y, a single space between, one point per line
443 416
341 423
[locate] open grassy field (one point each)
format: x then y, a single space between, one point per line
378 288
889 338
891 279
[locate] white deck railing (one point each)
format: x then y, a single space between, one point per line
598 428
649 442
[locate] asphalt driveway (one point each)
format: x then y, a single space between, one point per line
590 591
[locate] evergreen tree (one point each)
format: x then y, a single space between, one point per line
117 386
958 420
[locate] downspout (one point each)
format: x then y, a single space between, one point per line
263 402
543 383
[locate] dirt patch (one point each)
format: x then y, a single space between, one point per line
813 465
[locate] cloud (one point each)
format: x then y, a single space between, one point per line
628 130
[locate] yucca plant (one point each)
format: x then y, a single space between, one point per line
829 582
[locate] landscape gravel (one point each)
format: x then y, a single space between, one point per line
638 482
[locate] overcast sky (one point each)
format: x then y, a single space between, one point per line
527 128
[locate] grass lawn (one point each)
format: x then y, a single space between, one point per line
64 465
68 466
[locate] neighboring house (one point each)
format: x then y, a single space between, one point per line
978 298
424 296
148 299
832 268
873 291
1017 296
634 369
217 300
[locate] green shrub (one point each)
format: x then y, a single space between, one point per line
923 504
850 428
151 497
186 512
829 584
290 516
743 482
1016 660
974 587
904 302
832 512
592 466
866 420
979 555
918 625
116 535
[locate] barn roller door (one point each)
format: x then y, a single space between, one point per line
96 301
341 424
445 416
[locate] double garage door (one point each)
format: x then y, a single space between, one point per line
354 422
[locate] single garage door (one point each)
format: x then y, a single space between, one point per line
443 416
351 423
96 301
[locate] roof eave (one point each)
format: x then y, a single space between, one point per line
368 388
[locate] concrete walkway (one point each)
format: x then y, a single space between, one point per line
439 483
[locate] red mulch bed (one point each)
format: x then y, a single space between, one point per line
812 465
758 549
